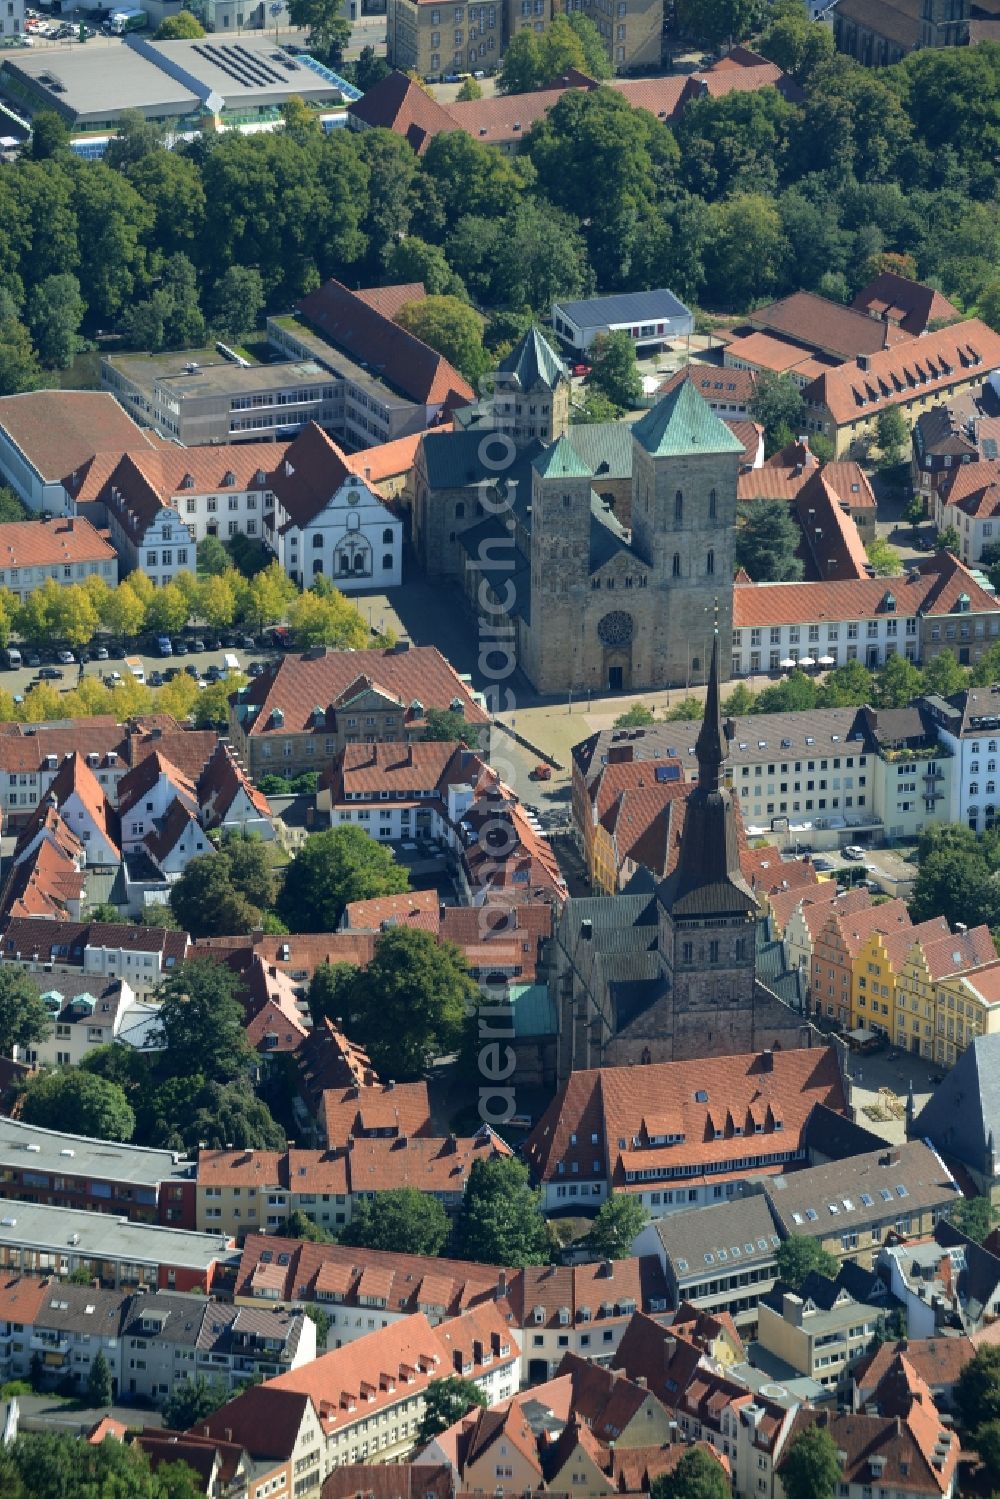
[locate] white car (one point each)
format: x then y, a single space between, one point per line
67 658
854 851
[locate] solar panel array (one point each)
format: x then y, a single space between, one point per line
243 66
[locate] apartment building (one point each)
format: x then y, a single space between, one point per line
941 444
434 38
820 1331
838 934
364 1401
968 727
53 1168
305 709
147 534
943 994
913 1454
844 402
143 956
876 965
721 1260
208 399
38 1239
86 1014
850 1206
937 605
64 550
673 1137
47 436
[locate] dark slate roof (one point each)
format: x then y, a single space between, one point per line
608 537
818 1289
683 423
560 461
962 1116
533 361
453 461
626 307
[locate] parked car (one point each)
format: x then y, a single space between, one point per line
67 658
163 646
247 643
581 370
214 673
171 672
541 773
156 679
197 644
822 864
101 654
192 670
179 648
854 851
32 659
256 669
50 674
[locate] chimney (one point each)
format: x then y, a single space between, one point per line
501 1284
767 1061
586 930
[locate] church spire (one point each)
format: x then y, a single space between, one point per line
711 744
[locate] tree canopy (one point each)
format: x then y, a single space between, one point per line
810 1468
500 1221
445 1402
23 1017
80 1103
767 537
698 1475
403 1220
617 1226
409 1004
330 870
798 1256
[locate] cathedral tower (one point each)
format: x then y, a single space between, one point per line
531 391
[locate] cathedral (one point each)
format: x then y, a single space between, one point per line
606 550
669 970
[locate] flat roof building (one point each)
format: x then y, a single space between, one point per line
39 1239
175 83
648 317
198 396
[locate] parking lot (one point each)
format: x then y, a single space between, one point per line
206 664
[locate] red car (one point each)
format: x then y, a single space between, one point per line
581 370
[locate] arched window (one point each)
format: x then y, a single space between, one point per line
387 537
317 540
677 565
387 561
710 562
712 504
678 506
317 566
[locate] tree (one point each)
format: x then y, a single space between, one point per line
19 367
614 371
49 135
811 1468
329 991
766 540
100 1386
617 1226
55 312
201 1024
235 303
46 1465
323 1323
847 686
975 1216
182 27
500 1222
717 21
206 902
987 1444
943 675
11 508
184 1113
409 1004
698 1475
522 64
948 540
191 1401
884 559
977 1393
450 724
23 1018
404 1220
891 433
413 259
331 869
445 1402
329 32
738 702
370 69
798 1256
125 612
471 89
327 618
298 1226
213 558
80 1103
897 683
777 404
451 327
636 716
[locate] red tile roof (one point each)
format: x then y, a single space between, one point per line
59 431
910 371
75 778
331 679
389 351
395 1109
46 883
931 587
626 1104
219 784
137 783
436 1165
826 326
830 534
911 304
41 543
399 104
310 473
417 908
388 300
888 1451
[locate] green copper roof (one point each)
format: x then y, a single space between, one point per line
561 461
533 361
684 423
